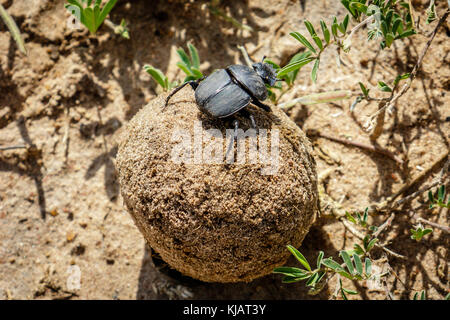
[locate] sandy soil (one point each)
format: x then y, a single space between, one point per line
71 96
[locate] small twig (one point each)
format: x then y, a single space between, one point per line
247 59
348 40
361 237
13 147
384 226
66 137
389 203
433 224
358 145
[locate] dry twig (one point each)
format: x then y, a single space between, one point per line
360 145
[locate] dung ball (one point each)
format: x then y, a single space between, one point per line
216 208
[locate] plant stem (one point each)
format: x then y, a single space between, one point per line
12 26
13 147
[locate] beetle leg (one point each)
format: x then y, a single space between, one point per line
193 83
258 103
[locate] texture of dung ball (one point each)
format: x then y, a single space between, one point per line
217 222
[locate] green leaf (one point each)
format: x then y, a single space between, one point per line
347 261
190 78
292 76
364 89
90 20
423 295
349 291
406 34
303 41
334 28
314 70
290 271
325 31
310 28
358 264
184 57
299 257
384 87
346 274
345 23
312 281
289 279
371 244
319 259
197 73
441 193
358 249
366 214
396 25
360 7
430 196
157 75
185 68
330 263
318 42
194 56
105 11
350 217
401 77
368 266
389 39
294 66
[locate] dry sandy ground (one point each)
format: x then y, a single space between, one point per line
71 96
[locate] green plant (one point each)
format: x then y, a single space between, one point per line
391 20
13 29
353 268
357 263
92 14
160 78
419 232
189 64
440 200
423 295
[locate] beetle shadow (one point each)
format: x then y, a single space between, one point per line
158 281
154 30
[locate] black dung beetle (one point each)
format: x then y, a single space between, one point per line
227 91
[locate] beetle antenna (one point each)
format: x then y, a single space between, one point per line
264 58
280 79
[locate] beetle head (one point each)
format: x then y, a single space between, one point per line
266 72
